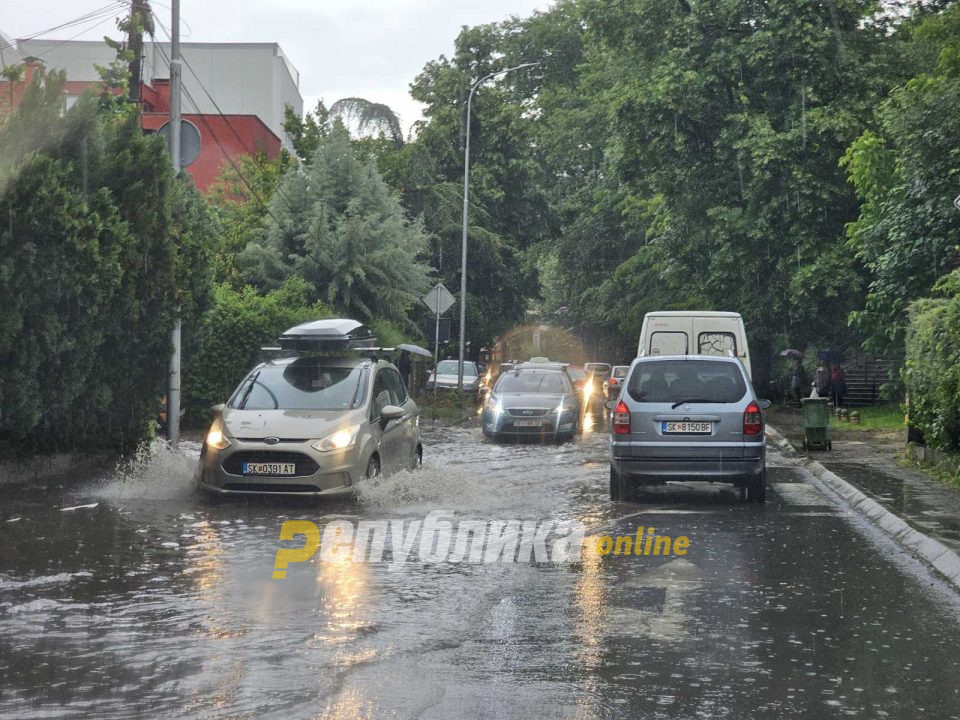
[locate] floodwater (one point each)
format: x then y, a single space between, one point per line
133 597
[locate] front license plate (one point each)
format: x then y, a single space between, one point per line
269 469
528 423
686 427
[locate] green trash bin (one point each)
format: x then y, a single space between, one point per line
816 424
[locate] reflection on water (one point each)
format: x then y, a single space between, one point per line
155 603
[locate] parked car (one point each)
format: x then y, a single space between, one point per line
611 386
447 376
532 400
687 417
694 332
310 425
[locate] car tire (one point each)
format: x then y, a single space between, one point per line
614 484
373 467
757 489
418 458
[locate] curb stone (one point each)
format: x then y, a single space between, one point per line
938 555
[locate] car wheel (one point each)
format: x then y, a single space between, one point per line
614 484
757 490
418 458
373 467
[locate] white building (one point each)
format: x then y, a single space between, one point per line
242 78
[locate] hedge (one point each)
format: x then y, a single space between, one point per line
932 372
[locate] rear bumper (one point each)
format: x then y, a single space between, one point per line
696 464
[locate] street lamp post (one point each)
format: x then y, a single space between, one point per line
466 213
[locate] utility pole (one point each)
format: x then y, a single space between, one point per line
173 391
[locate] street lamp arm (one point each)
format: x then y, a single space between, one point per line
466 213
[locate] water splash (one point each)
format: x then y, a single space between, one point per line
155 472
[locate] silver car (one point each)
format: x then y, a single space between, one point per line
447 376
687 417
311 425
534 400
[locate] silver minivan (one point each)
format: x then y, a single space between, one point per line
310 426
687 418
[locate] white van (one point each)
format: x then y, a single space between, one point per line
694 332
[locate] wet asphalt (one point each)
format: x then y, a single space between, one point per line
130 596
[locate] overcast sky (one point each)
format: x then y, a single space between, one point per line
342 48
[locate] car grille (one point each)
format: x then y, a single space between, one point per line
527 412
305 465
271 487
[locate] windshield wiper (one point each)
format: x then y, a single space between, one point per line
692 400
246 393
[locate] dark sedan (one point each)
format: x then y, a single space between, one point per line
533 400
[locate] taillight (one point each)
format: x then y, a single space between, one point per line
613 381
752 420
621 419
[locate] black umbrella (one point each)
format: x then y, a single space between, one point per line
791 353
829 356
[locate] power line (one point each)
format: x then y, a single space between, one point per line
93 14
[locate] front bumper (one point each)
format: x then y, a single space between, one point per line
503 425
317 473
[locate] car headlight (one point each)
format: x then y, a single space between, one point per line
493 405
339 440
564 407
215 437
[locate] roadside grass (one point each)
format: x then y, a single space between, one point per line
887 418
946 471
451 406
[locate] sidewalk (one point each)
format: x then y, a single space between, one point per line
869 461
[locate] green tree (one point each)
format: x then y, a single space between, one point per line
100 249
336 224
906 174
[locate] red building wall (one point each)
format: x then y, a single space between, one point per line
222 137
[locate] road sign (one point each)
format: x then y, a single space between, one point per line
439 299
189 141
437 331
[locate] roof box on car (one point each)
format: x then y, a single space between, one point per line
331 335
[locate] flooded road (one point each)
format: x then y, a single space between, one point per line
133 597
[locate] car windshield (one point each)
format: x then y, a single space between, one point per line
576 373
449 367
597 367
621 371
533 381
673 381
300 386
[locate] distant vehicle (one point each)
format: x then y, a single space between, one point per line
597 374
532 400
692 417
701 332
313 423
447 376
611 386
578 376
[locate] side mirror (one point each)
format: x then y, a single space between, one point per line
764 404
392 412
218 408
610 404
